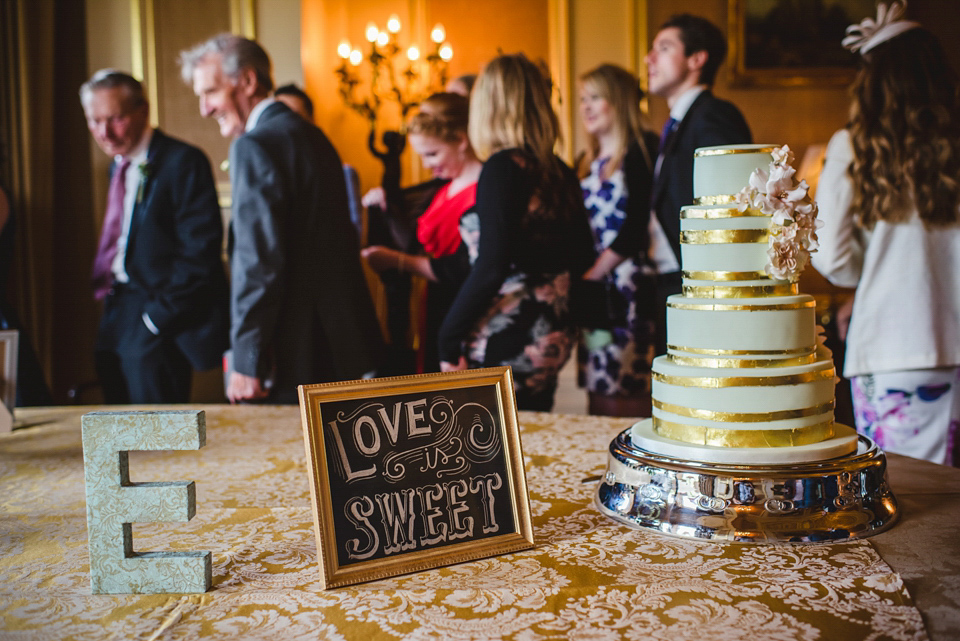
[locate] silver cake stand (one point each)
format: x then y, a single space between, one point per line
842 498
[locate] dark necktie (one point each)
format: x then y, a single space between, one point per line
112 228
665 134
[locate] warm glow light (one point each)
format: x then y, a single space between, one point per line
356 57
413 54
446 52
372 32
383 38
393 23
344 49
438 34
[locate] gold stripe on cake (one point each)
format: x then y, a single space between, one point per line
742 417
693 361
719 199
732 352
703 152
720 212
750 291
724 307
725 276
723 236
716 382
721 437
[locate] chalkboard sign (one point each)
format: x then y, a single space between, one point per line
414 472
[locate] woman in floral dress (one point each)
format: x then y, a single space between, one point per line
616 353
527 238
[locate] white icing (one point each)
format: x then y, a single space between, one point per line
742 398
727 174
716 326
845 442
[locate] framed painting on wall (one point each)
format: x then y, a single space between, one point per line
784 43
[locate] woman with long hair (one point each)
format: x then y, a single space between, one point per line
438 134
616 350
528 237
889 196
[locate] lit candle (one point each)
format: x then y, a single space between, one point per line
413 54
356 57
446 52
344 49
438 34
372 32
383 38
393 23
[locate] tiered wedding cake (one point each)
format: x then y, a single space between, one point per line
745 378
742 445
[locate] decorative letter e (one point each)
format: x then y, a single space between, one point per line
113 502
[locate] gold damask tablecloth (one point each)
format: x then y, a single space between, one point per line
587 577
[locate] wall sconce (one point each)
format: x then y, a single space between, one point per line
394 74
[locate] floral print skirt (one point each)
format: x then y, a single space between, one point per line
914 412
529 328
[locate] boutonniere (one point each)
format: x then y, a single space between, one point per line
144 168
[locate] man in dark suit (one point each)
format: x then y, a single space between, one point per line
301 312
158 268
682 65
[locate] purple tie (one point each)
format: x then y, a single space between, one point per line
112 227
667 130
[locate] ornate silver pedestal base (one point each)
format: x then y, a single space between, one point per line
841 498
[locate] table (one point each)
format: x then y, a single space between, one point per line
587 577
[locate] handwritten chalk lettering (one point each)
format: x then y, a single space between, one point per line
357 436
409 519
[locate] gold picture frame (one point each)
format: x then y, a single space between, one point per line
414 472
9 346
779 43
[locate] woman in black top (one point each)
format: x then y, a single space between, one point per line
526 239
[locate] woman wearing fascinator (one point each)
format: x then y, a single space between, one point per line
889 197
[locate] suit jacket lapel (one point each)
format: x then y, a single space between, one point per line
141 205
674 140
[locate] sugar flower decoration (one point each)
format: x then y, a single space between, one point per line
869 33
793 225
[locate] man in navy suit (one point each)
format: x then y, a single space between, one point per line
158 269
682 65
300 309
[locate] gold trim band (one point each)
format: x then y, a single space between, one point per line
721 437
800 351
691 361
718 382
742 417
704 152
723 236
754 291
720 199
722 276
722 307
694 213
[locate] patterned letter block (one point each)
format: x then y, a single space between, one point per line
113 502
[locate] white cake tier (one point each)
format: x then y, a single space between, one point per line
843 442
721 172
755 397
778 325
720 243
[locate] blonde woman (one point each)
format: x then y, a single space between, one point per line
889 196
616 348
528 237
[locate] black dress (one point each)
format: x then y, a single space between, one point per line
528 237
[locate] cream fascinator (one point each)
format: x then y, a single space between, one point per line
869 33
